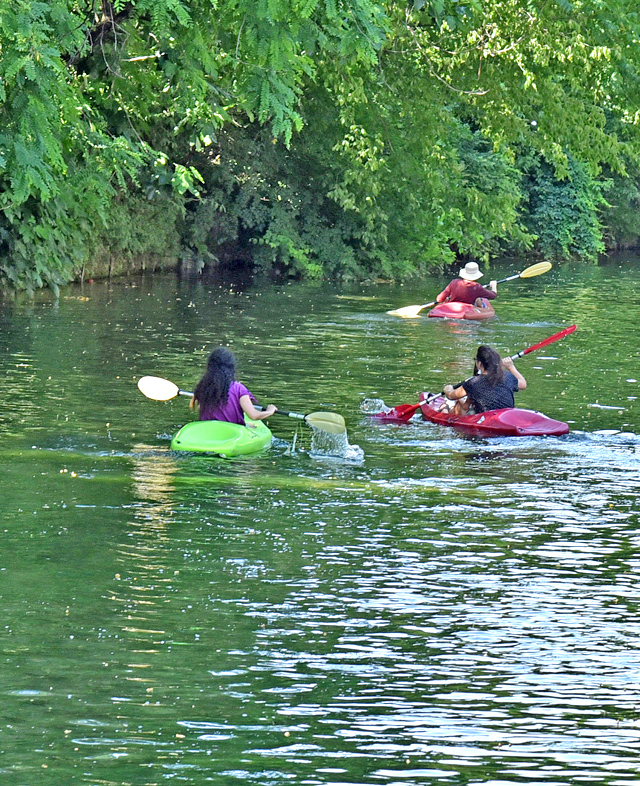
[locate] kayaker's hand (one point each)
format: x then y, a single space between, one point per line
270 409
493 286
447 390
508 364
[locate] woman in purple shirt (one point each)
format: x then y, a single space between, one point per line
221 397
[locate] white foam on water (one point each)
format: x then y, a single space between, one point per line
373 405
324 444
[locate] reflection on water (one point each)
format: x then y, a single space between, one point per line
153 474
418 607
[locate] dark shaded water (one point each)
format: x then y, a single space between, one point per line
431 608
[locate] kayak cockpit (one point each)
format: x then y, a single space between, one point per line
511 422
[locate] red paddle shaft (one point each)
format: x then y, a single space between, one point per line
550 340
405 412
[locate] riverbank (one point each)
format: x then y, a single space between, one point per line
107 265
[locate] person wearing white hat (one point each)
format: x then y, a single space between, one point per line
465 290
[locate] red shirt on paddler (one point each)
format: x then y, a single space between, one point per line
464 289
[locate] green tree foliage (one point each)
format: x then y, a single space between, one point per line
288 210
564 214
543 77
98 98
57 163
424 185
621 215
268 204
398 129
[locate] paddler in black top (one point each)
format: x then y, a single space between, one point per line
495 381
465 290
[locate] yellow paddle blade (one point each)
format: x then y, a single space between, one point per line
157 388
409 311
536 270
327 421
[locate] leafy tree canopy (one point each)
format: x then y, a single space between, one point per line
410 119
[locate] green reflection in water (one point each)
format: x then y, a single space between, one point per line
443 609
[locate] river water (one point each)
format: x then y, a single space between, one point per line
425 608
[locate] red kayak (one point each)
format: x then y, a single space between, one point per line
454 310
511 422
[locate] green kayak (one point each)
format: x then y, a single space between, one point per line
225 439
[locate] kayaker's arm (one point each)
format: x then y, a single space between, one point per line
444 295
509 365
256 414
492 292
454 393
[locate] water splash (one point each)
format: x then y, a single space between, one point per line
292 447
335 446
373 405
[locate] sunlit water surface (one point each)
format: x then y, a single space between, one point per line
423 608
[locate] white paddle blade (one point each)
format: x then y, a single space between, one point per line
536 270
407 311
327 421
157 388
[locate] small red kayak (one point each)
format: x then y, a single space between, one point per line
511 422
455 310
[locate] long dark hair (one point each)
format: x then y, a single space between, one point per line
491 362
213 388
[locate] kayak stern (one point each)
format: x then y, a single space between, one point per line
221 438
512 422
454 310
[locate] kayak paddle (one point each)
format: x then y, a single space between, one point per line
160 389
534 270
331 422
404 412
